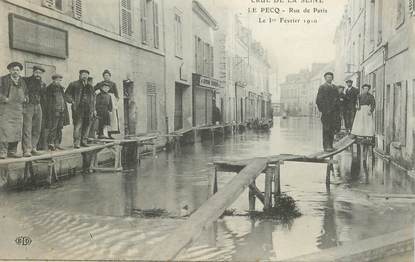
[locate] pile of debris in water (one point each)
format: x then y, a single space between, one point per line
284 209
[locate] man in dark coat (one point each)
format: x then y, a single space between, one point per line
350 100
13 94
328 104
32 112
56 112
82 97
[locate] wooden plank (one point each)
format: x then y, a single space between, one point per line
339 147
55 154
107 169
210 211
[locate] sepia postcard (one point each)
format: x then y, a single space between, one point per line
207 130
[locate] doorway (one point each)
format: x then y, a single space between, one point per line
178 108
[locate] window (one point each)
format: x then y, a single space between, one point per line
178 32
126 17
77 9
400 13
380 21
143 20
156 25
151 107
400 112
372 22
53 4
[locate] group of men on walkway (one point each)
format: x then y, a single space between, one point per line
29 110
336 103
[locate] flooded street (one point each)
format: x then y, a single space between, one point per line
97 216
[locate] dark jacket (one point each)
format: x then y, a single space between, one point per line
328 99
367 100
49 113
35 88
112 85
73 95
351 98
104 106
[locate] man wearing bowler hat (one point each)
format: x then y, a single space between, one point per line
350 100
82 97
328 104
32 112
13 94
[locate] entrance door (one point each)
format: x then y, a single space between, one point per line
178 108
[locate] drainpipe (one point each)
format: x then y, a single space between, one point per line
165 71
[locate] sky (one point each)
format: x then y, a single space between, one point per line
295 46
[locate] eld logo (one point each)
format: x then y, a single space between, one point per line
23 241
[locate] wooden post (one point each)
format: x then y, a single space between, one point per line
277 181
328 171
215 181
252 198
268 188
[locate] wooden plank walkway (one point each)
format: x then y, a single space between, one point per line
55 154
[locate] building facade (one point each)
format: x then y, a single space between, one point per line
383 59
66 36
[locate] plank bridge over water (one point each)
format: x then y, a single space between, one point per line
248 170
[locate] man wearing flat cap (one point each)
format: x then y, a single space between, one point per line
56 112
13 94
32 113
82 97
350 101
328 104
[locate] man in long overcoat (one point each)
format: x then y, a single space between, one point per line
32 112
13 94
56 112
328 104
82 97
350 100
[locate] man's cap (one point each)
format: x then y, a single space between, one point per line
83 71
36 67
366 85
106 71
328 73
349 81
90 78
54 76
14 64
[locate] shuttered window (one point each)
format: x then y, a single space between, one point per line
211 61
156 25
151 107
126 18
77 9
412 7
206 57
143 20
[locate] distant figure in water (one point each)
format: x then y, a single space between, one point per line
364 124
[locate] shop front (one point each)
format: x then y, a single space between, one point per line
204 94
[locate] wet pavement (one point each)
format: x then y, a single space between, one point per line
96 216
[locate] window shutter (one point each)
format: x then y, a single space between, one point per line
126 18
412 7
211 62
143 20
156 25
48 3
77 9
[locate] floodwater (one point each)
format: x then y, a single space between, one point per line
96 216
